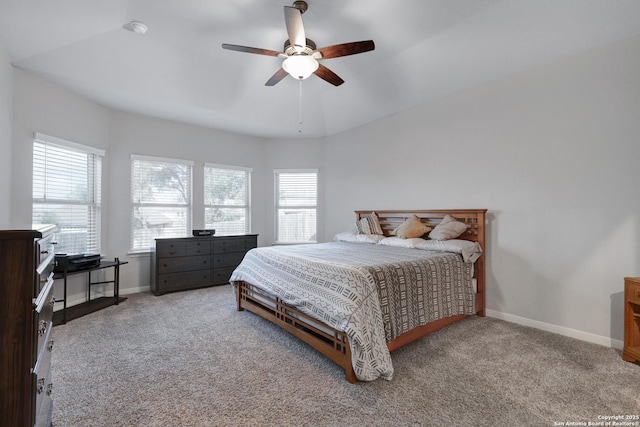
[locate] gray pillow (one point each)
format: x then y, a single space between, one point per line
449 228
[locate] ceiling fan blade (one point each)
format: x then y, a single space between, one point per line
326 74
345 49
295 28
250 49
279 75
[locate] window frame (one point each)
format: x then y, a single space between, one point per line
277 206
93 201
247 188
189 216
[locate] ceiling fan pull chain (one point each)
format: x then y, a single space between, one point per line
300 107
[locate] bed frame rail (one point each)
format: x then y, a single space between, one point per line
332 343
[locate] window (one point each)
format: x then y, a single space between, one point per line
160 200
227 206
67 192
296 200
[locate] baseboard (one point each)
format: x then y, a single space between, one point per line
137 290
567 332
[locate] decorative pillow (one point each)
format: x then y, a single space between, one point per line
349 236
469 250
401 242
412 227
449 228
369 224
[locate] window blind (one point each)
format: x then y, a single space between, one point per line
296 206
67 183
160 200
227 196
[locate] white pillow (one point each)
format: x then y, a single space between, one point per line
469 250
400 242
449 228
349 236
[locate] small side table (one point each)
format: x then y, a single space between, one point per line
89 306
631 350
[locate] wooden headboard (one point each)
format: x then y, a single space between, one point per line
474 218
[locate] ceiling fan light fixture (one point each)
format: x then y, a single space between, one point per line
300 66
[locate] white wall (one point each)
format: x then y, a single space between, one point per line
135 134
292 154
40 106
6 116
552 153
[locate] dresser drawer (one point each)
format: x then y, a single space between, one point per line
632 293
43 389
186 280
202 247
44 249
176 265
234 244
171 248
44 272
222 275
45 416
227 260
43 317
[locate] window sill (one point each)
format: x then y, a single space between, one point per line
135 254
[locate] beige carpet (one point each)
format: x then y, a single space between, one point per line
190 359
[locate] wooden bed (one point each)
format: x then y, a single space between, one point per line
333 343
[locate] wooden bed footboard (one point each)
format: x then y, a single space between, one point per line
332 343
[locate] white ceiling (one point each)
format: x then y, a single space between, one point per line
425 50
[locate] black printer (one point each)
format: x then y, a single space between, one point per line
76 262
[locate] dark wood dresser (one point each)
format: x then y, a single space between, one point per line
195 262
26 321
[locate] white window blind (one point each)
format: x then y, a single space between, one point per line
160 200
227 199
67 192
296 205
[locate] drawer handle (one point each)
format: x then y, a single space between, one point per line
43 327
44 252
50 345
40 388
49 389
43 280
52 301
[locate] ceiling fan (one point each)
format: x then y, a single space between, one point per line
300 53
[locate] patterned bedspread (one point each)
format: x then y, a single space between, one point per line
373 293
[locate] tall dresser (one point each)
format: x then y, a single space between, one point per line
26 321
179 264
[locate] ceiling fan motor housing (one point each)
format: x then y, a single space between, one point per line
308 50
301 6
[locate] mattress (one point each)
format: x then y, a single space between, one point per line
373 293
